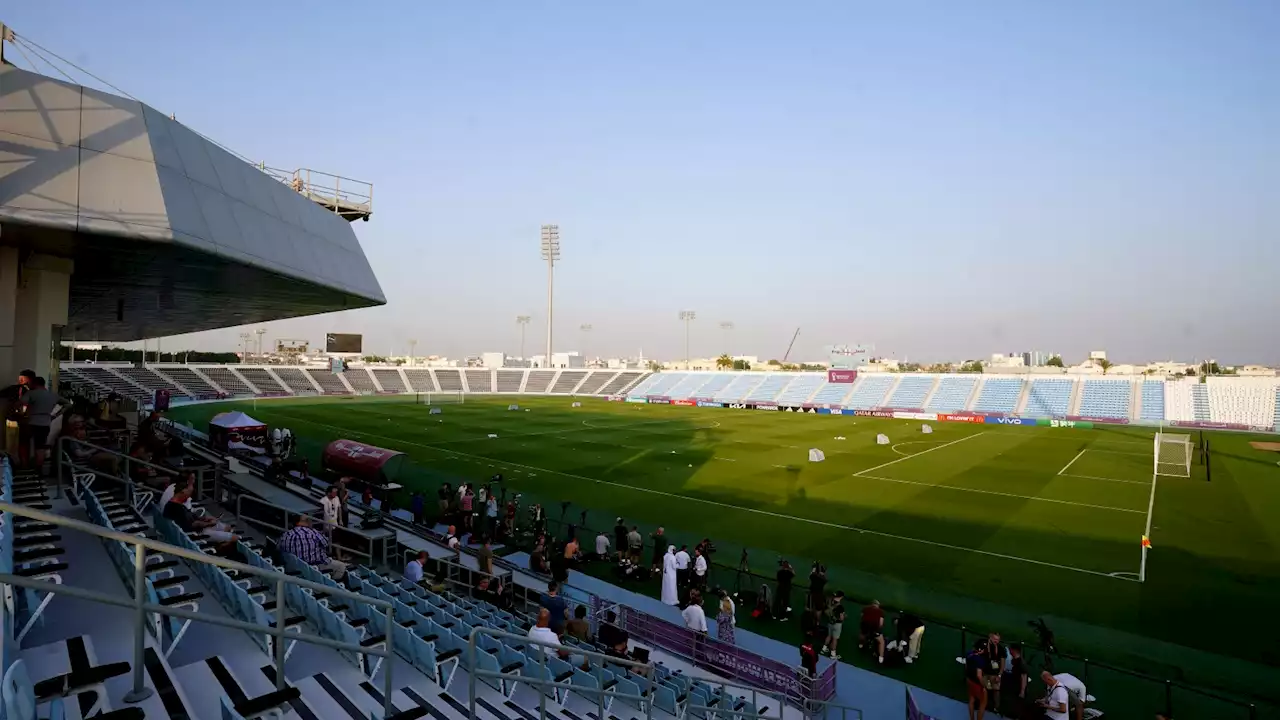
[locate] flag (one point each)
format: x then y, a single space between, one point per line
1146 542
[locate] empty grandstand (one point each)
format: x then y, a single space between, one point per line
1152 400
912 391
330 384
871 391
188 380
480 381
953 393
768 390
1106 398
832 393
390 380
449 380
360 381
738 388
509 381
999 395
234 384
594 382
799 389
1242 401
567 381
421 380
298 381
1049 397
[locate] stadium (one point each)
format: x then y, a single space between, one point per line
1107 525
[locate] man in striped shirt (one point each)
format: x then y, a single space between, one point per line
312 547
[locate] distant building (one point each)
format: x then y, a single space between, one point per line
1012 360
560 360
1098 355
1256 371
493 359
1035 358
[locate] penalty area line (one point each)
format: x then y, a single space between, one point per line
757 511
922 452
1073 460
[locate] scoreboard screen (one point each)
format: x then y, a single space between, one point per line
343 343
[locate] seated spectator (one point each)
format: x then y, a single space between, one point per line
143 473
311 547
488 591
578 627
177 511
87 455
413 569
542 633
611 636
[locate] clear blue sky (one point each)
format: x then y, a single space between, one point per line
942 179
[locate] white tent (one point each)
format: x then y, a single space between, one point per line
235 419
816 455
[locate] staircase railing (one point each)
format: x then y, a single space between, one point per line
142 608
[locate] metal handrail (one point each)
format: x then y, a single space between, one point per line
474 673
141 607
315 518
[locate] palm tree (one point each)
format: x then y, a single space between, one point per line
1105 364
724 362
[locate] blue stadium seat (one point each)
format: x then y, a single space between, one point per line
1107 398
871 391
738 388
911 392
1050 397
713 385
953 393
1152 400
999 395
800 389
768 390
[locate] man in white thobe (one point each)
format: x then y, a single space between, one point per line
670 595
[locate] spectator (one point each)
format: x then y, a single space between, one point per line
442 502
1077 696
620 536
835 623
552 602
331 509
538 557
41 405
177 511
578 627
975 664
572 552
635 544
726 619
170 489
872 629
694 617
699 568
344 496
1055 700
11 408
809 657
659 541
417 506
452 541
542 632
910 634
817 599
1016 677
81 453
142 472
491 515
366 498
488 590
484 557
413 569
611 636
994 670
602 546
682 566
440 581
670 585
782 598
311 547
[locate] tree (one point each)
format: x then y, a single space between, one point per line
940 368
973 366
724 362
773 362
741 365
1210 368
909 367
654 366
1105 364
1190 372
1054 361
811 368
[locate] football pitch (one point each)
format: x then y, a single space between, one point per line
983 525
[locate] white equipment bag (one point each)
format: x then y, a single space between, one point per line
839 437
927 430
492 435
437 411
513 406
816 455
577 404
882 439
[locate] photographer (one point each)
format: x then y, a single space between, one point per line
782 598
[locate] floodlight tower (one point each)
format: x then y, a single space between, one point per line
523 322
550 253
586 333
413 346
260 332
727 327
687 316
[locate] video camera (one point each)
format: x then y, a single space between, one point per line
1044 633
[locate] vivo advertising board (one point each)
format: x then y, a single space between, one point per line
1006 420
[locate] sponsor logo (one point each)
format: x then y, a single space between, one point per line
766 407
741 406
871 413
659 401
706 403
915 416
961 418
637 400
842 376
811 410
616 398
687 403
1003 420
1062 423
1108 421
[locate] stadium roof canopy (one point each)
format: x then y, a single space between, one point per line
161 230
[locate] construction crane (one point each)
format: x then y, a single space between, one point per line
793 344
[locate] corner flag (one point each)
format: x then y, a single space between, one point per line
1146 542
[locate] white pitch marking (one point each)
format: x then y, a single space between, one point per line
1073 460
1095 477
922 452
908 442
757 511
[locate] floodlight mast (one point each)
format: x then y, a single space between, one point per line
523 322
727 327
551 253
687 316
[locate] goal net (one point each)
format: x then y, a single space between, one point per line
1173 454
440 398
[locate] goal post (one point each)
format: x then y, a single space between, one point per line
440 398
1173 453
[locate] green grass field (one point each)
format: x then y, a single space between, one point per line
981 525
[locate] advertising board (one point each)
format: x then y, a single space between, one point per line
769 406
659 401
741 406
944 417
1205 425
1064 424
637 400
900 415
708 403
615 398
686 403
1007 420
873 413
842 376
1103 420
798 409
